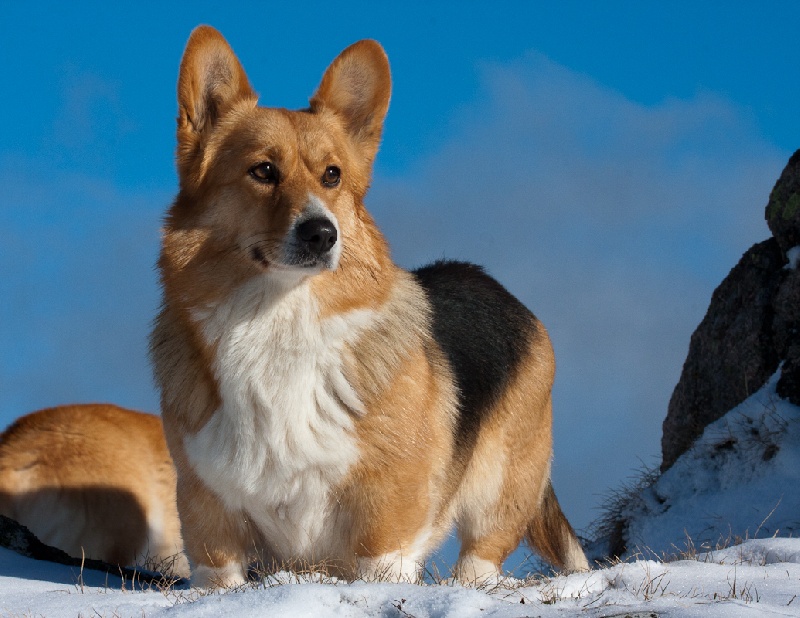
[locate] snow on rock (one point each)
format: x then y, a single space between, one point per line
739 480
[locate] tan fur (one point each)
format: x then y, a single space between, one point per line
223 238
512 452
94 480
403 464
220 538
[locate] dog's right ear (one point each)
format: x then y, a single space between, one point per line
211 80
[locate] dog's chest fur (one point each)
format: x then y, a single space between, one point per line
283 436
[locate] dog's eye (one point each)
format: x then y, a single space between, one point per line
265 172
332 176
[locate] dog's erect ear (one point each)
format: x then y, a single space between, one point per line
211 80
357 87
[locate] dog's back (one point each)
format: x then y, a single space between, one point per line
95 481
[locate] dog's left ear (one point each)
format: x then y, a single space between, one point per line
356 87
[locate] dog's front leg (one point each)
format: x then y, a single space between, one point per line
216 539
394 535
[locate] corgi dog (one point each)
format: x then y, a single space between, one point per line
321 404
95 481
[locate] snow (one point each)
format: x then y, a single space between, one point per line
739 481
756 578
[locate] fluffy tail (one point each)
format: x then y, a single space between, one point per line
551 536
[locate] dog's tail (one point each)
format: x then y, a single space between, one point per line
552 537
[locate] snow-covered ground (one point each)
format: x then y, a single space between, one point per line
741 480
757 578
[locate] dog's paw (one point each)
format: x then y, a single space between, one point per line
228 576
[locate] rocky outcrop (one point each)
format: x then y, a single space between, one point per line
18 538
751 328
783 209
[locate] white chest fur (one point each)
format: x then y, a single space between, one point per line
283 436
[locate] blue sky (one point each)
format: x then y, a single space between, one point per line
608 162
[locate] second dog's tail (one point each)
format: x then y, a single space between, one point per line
552 537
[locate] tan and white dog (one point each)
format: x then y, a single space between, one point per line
321 404
95 481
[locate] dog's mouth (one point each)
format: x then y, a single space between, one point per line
300 262
258 256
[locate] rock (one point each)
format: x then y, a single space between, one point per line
788 386
18 538
786 328
750 331
731 354
751 328
783 209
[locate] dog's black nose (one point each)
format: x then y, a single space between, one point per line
318 235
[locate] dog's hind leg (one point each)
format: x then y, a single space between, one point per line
500 493
490 534
505 493
502 488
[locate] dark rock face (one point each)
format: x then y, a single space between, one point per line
787 329
731 354
751 327
783 210
18 538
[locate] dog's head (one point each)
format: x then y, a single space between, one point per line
268 190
